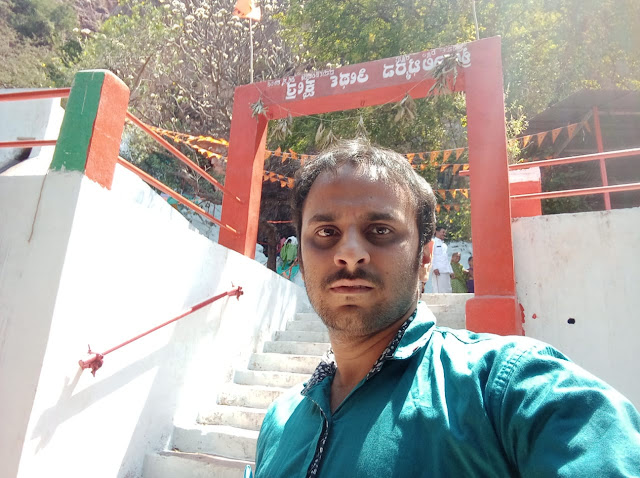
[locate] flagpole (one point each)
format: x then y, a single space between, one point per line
251 41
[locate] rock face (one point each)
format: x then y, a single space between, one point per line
92 13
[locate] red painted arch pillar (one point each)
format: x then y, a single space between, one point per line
495 306
245 165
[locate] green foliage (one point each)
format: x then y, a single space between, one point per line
33 32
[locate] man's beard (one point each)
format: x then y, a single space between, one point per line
364 320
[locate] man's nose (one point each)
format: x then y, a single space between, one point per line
352 250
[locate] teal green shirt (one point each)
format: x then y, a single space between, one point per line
454 403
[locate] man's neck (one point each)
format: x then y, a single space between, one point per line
356 356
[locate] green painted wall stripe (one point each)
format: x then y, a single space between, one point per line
77 126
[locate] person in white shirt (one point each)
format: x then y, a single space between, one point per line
441 265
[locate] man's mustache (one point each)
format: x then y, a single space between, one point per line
357 274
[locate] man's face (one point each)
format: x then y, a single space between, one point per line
359 244
441 233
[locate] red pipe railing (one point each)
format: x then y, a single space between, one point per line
94 360
30 143
577 159
167 190
579 192
172 149
36 94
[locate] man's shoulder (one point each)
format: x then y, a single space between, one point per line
490 351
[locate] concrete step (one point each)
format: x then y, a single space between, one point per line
297 348
271 379
238 417
446 299
307 317
172 464
252 396
276 362
307 325
451 320
300 336
218 440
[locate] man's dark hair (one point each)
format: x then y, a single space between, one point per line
394 169
440 228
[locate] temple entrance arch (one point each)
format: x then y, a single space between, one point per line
494 307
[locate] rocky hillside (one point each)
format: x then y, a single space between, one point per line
91 13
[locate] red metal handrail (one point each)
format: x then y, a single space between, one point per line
167 190
36 94
579 192
577 159
30 143
173 150
94 360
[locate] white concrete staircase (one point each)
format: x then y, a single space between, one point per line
223 441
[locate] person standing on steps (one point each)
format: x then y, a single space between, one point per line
442 271
397 396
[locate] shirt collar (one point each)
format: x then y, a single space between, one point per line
412 335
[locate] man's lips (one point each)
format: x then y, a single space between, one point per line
351 286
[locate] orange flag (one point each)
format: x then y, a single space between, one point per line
290 182
443 193
453 192
555 133
421 156
443 167
277 152
571 129
447 153
465 167
540 137
456 168
433 156
447 207
587 126
410 156
465 193
423 167
437 207
267 154
525 141
246 9
456 207
294 155
459 152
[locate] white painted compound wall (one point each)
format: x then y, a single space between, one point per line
84 265
584 267
30 119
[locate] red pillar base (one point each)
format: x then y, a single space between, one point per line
496 315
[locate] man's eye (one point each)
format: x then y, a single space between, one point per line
381 230
325 232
